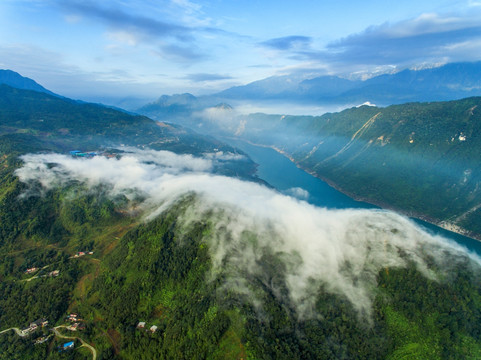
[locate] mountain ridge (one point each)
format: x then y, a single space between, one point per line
14 79
448 82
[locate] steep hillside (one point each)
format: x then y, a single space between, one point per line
420 158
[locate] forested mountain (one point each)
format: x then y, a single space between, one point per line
61 124
420 158
150 251
207 287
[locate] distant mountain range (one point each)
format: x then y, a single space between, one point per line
448 82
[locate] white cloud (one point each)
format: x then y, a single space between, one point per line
298 193
224 156
342 250
474 3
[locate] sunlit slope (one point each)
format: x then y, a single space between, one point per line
421 158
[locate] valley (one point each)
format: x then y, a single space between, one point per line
240 180
395 157
225 249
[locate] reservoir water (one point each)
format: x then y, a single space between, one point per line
286 177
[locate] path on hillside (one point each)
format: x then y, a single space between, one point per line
37 276
84 343
19 332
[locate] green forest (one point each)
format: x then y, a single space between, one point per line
160 273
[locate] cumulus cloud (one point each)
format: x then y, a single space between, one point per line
339 250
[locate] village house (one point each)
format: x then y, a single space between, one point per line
54 273
31 270
153 328
40 322
69 345
41 340
141 325
35 325
73 327
83 253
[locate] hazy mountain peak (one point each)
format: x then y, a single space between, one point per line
178 99
223 106
14 79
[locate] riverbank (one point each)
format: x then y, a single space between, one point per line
443 224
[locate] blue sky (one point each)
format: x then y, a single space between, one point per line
146 48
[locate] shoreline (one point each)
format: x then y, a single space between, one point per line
443 224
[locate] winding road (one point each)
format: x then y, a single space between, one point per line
22 333
19 332
90 347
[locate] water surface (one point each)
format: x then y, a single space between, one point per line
285 176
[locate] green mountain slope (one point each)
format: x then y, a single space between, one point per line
162 273
63 123
420 158
34 121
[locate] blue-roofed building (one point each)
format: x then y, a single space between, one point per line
68 345
74 152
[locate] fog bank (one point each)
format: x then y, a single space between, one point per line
341 250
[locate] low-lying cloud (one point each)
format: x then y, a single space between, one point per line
340 250
298 193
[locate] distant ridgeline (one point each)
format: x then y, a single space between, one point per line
447 82
423 159
34 121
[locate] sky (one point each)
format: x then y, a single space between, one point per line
145 48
